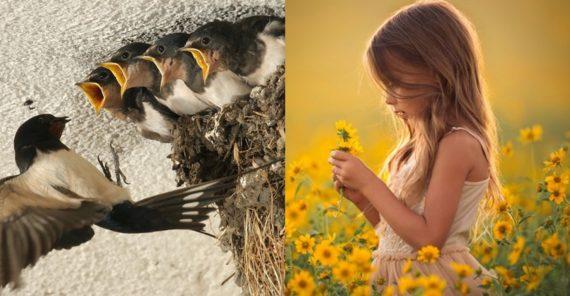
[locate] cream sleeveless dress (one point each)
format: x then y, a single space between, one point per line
392 251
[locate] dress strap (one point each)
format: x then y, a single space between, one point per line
476 136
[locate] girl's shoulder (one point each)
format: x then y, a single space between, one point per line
467 147
462 140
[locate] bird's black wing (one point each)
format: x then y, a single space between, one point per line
135 96
33 225
185 208
258 23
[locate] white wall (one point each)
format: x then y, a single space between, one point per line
45 48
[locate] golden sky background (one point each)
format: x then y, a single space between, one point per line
526 47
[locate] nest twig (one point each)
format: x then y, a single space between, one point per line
214 144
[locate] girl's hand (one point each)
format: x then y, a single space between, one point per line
354 196
351 172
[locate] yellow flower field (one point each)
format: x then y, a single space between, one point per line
330 244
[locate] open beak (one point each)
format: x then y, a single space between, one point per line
58 125
118 71
94 94
201 59
154 60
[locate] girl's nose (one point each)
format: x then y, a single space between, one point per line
390 100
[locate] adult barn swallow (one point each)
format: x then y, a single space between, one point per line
252 48
119 59
58 196
103 91
182 77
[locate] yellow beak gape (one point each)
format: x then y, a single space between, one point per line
94 94
201 60
118 72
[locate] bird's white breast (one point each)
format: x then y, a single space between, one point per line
183 100
155 122
224 88
69 170
273 57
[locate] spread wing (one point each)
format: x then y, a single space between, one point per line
32 225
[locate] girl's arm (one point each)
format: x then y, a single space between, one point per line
453 162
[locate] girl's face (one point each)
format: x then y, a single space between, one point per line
411 95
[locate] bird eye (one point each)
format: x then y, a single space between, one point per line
125 55
205 40
160 49
103 75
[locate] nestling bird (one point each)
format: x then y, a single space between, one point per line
252 48
103 92
58 196
117 64
182 83
140 104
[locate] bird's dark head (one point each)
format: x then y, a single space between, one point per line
101 89
212 46
118 62
165 55
42 132
132 104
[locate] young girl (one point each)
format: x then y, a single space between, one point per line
426 59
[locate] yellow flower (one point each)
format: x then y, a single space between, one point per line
326 253
515 253
294 216
345 130
428 254
345 272
361 258
533 276
462 270
351 146
432 283
553 247
407 266
361 291
507 150
531 134
557 179
295 169
463 288
432 293
506 275
486 282
486 251
502 229
370 237
348 138
557 192
302 283
389 291
556 158
304 244
407 284
502 207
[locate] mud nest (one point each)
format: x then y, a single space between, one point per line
249 132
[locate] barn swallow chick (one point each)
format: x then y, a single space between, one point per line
252 48
103 92
176 95
58 196
153 120
140 103
182 77
118 62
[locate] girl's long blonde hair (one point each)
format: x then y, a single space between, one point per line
435 36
